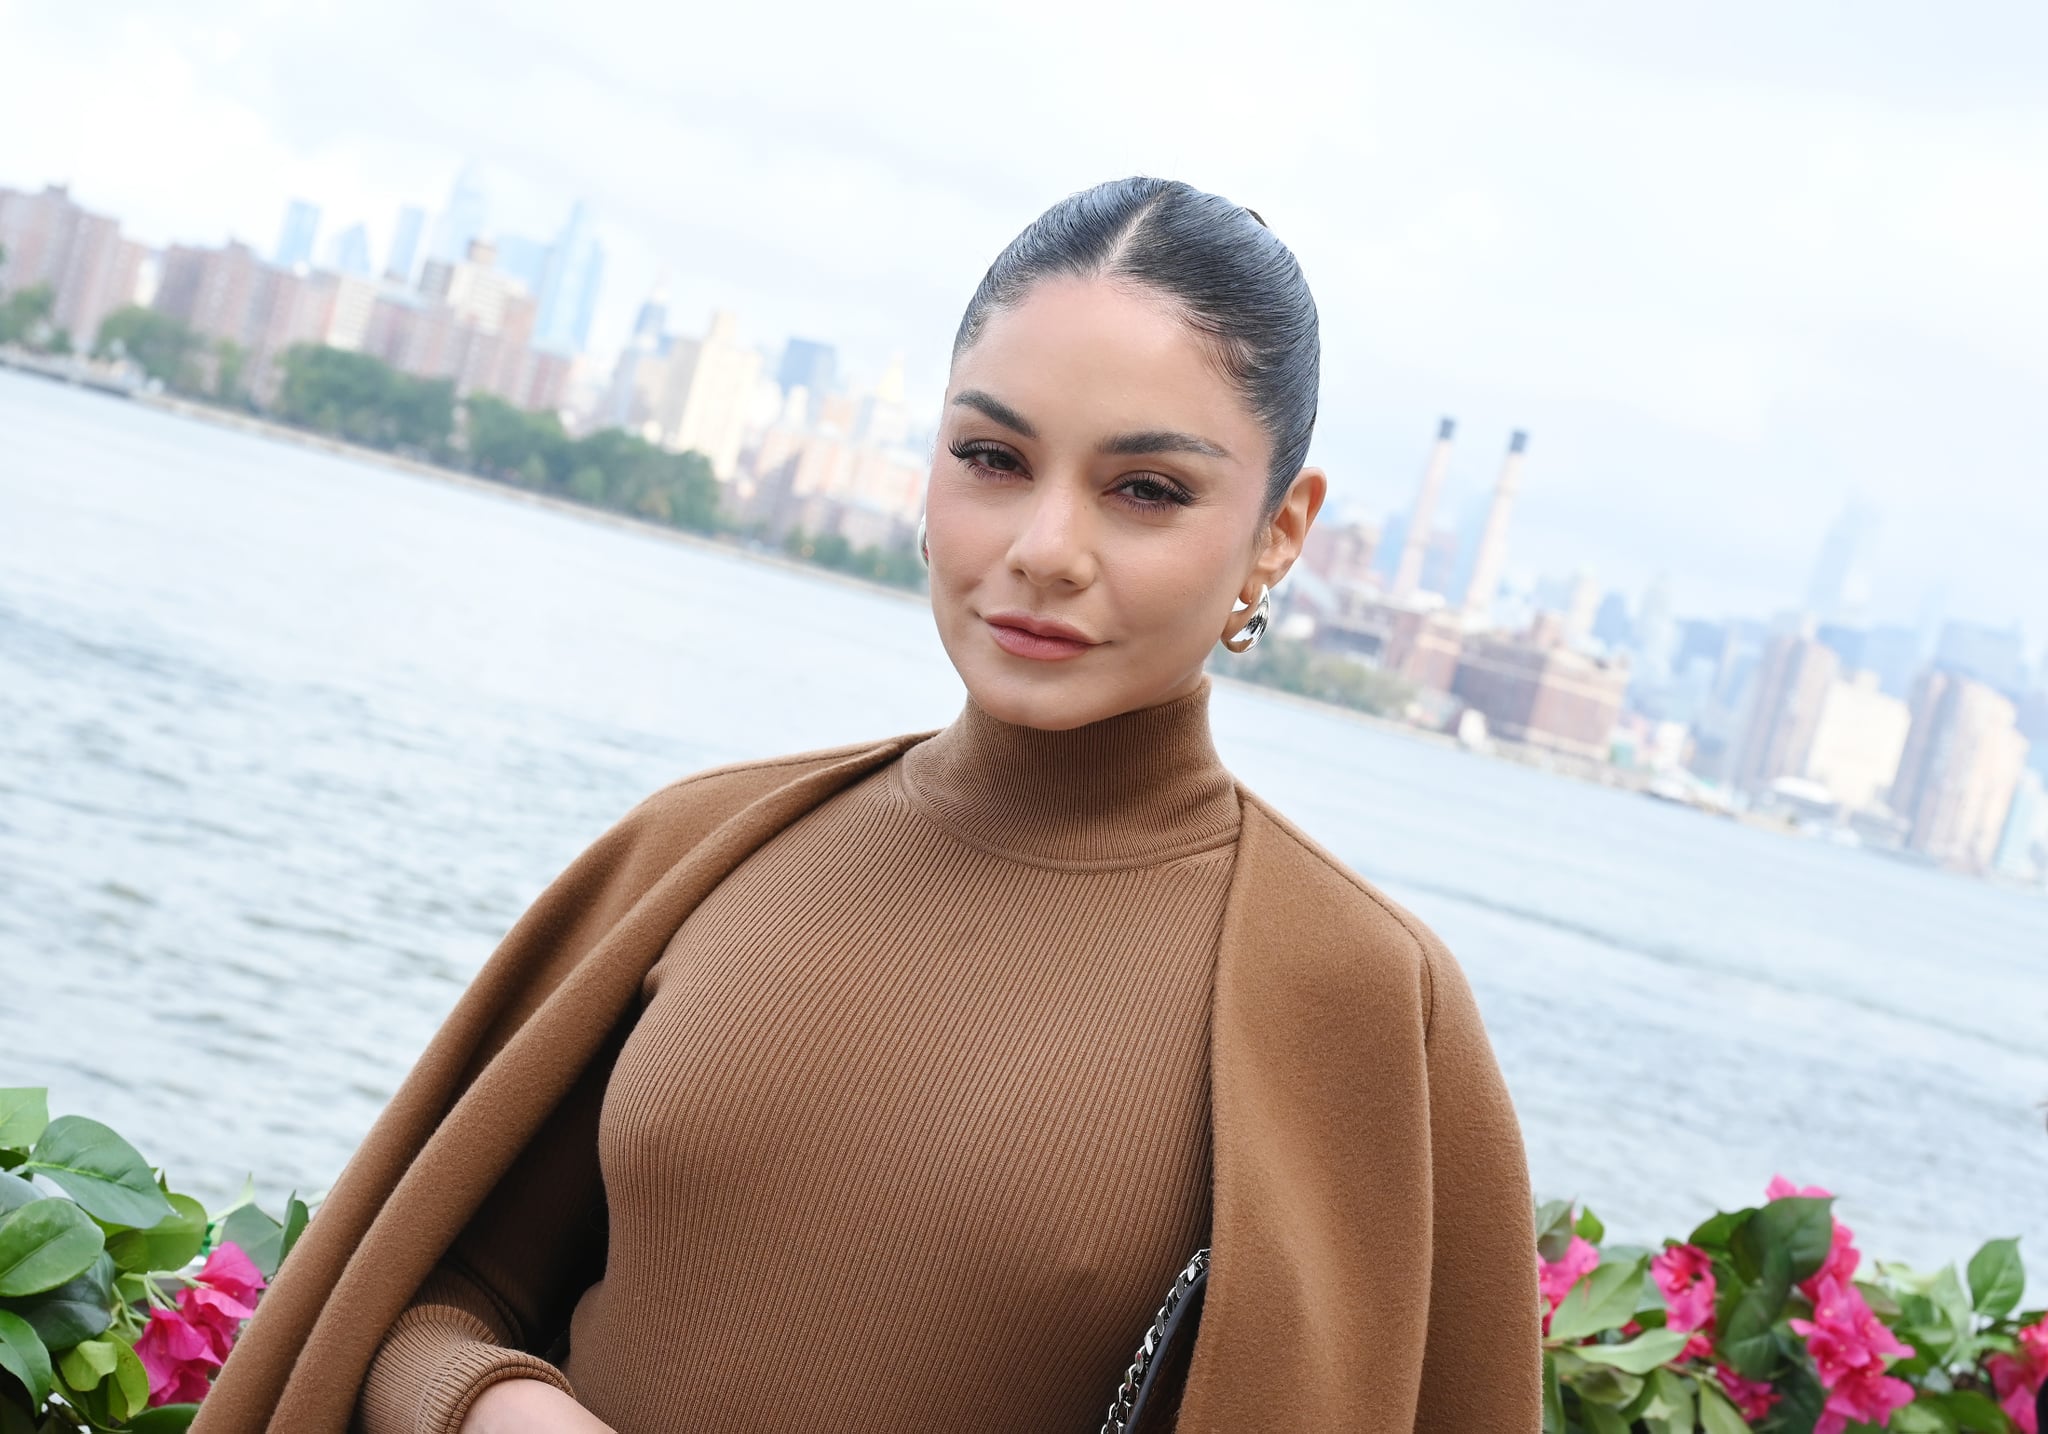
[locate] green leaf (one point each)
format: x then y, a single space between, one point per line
1599 1419
261 1238
23 1356
1717 1415
80 1308
1803 1226
87 1364
1970 1409
1670 1410
131 1380
100 1170
296 1217
1603 1300
24 1111
1997 1278
45 1243
1647 1351
1590 1228
164 1419
1952 1302
1553 1228
1715 1232
1746 1341
1553 1399
170 1244
16 1192
1921 1418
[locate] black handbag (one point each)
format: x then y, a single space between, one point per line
1148 1400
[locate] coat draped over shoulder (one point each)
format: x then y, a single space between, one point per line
1373 1250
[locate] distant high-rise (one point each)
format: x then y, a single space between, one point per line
405 243
1792 682
524 259
1994 656
1422 519
295 238
1493 543
651 323
1656 634
1961 766
1612 624
462 221
569 279
1839 588
707 389
810 366
352 252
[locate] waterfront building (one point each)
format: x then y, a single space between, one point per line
1993 656
405 244
1531 688
1791 684
706 391
2023 846
1961 765
1858 739
1342 554
89 268
810 366
295 237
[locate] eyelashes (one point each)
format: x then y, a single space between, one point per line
1144 492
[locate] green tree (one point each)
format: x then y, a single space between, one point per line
229 359
25 315
165 347
365 400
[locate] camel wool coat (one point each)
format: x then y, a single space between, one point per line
1373 1251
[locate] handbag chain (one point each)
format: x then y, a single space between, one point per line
1148 1349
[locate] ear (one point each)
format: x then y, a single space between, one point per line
1280 539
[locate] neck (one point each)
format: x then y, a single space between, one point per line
1136 788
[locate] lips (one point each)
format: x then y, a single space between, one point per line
1040 639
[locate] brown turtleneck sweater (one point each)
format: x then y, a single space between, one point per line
911 1131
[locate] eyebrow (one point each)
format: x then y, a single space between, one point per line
1123 445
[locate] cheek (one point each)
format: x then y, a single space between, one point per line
1167 586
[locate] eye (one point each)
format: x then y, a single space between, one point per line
988 458
1151 491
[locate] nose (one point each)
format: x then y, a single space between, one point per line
1055 546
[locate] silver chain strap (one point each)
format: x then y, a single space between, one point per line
1134 1379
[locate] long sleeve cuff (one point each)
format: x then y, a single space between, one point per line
433 1364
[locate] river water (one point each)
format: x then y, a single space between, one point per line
287 741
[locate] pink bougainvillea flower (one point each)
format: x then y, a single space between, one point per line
1850 1346
1556 1277
233 1273
1866 1397
1780 1188
177 1357
1753 1397
215 1315
1685 1276
2017 1378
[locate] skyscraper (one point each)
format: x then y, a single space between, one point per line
405 243
1961 766
1839 588
569 278
295 237
1792 683
1422 520
352 252
463 220
810 366
1493 543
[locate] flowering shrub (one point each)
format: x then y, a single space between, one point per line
1758 1320
104 1322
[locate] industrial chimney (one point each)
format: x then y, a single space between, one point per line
1423 520
1493 545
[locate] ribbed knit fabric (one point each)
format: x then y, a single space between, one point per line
912 1130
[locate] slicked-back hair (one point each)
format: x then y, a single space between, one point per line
1230 277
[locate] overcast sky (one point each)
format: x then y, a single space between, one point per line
1728 262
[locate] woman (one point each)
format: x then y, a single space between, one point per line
887 1088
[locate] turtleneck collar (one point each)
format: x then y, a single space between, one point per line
1131 790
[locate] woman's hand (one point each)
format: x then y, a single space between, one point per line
529 1406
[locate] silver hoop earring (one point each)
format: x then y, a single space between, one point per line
924 549
1247 637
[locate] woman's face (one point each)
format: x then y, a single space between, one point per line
1094 507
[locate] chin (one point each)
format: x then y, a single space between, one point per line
1054 702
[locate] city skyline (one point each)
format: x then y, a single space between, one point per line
1797 272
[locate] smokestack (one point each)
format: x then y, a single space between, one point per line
1423 519
1493 546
